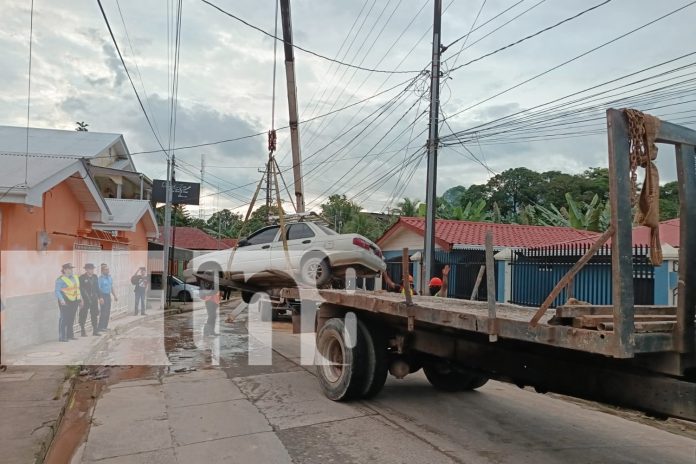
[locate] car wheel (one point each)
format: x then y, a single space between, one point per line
184 296
315 270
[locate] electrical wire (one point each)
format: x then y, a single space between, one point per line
318 55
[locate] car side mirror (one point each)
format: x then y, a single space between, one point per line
243 242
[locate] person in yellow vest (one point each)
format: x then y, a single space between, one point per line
67 291
212 304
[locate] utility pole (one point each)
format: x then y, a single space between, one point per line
173 234
292 105
433 140
167 233
201 209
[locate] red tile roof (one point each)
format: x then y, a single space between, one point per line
230 242
191 238
449 233
669 233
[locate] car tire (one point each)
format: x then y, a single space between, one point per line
247 296
341 369
184 296
315 270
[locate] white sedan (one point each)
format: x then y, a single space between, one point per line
315 255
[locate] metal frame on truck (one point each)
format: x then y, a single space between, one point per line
628 355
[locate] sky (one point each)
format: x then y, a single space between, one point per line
370 151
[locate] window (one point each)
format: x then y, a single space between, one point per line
263 236
299 231
326 230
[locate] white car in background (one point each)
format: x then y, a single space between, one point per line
315 255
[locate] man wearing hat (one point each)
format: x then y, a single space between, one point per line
89 289
67 291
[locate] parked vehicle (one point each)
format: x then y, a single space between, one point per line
315 255
180 290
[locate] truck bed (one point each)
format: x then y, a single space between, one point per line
511 321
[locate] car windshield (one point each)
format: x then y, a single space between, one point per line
326 230
176 281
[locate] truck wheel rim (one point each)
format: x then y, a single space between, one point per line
333 365
314 270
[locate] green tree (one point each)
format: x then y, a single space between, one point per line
408 207
514 188
365 224
339 211
669 201
226 222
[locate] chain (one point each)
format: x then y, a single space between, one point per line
637 149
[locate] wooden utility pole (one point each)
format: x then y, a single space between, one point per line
431 189
292 104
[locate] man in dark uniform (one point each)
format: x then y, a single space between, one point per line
67 291
89 288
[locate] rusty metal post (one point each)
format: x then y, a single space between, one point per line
686 305
405 275
490 284
622 222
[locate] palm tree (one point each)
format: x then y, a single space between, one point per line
81 126
408 207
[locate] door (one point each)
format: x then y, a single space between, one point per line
254 253
301 238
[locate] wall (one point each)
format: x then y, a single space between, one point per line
404 238
138 239
61 212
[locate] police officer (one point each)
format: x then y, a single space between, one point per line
106 291
67 291
89 289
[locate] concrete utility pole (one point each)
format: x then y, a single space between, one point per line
167 233
431 189
292 104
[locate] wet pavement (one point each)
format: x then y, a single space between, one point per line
208 404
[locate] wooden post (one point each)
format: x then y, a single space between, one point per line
407 285
570 274
479 278
490 284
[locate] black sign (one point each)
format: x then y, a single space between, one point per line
183 193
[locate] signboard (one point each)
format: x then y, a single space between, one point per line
183 193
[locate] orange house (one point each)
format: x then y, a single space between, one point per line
53 211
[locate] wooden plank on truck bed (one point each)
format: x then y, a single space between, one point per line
644 327
588 310
593 321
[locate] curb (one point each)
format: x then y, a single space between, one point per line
66 390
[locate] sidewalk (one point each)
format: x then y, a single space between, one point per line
32 401
82 350
194 417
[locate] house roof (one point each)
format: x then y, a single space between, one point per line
451 233
669 233
192 238
42 174
127 213
97 146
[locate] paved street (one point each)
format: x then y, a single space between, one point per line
277 414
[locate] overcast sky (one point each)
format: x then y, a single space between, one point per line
225 84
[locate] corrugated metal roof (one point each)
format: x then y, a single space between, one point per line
127 213
13 167
55 142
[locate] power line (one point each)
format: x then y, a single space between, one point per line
318 55
123 63
524 39
575 58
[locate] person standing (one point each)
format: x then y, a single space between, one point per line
89 289
139 281
212 304
437 286
67 291
106 291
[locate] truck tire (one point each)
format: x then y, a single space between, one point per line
340 368
377 359
449 379
315 270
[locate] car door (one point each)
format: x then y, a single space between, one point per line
301 238
254 253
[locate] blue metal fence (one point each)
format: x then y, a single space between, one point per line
534 273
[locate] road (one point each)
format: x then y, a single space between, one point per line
236 412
